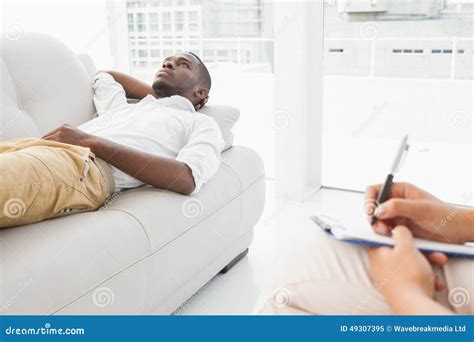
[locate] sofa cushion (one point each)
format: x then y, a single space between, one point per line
166 215
225 117
46 265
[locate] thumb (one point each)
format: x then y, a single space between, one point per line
398 207
403 237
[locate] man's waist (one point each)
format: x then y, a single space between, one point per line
106 171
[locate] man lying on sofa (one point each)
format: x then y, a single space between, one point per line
161 141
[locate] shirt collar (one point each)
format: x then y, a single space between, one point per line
178 102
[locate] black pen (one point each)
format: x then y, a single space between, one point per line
385 190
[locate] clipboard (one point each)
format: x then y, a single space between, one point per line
366 237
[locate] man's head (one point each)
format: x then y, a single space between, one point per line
186 75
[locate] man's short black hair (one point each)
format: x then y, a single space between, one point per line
204 76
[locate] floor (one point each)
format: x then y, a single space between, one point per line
283 226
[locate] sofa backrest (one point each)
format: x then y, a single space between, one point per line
44 84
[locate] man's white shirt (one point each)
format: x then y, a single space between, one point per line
169 127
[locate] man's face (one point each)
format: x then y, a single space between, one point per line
179 75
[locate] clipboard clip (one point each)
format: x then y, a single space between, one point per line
324 222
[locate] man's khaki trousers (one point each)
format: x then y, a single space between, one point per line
42 179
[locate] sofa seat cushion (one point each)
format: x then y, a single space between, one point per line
166 215
46 265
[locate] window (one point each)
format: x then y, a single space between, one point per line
153 21
141 25
384 79
179 17
179 22
130 22
193 16
166 21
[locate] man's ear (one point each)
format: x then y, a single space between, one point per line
203 96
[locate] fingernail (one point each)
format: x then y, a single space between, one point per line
379 210
379 229
370 210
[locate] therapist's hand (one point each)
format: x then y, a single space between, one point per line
425 215
404 276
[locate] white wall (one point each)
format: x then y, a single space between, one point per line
81 25
298 34
365 119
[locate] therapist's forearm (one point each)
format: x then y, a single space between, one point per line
465 226
160 172
412 301
134 88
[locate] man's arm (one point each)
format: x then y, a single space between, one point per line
160 172
134 88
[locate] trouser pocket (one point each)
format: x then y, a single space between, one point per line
40 182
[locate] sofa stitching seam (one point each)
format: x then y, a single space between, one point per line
138 221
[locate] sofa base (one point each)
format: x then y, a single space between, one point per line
234 261
179 296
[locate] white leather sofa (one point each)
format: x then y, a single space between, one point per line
148 250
